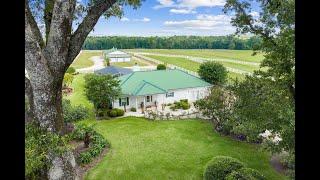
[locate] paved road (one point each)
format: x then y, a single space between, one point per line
98 64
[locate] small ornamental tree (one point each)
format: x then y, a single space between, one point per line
213 72
161 67
101 90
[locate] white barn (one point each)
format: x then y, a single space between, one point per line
154 88
116 55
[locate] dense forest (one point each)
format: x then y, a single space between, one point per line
173 42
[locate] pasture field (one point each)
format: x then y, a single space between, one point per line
194 66
83 60
240 55
130 63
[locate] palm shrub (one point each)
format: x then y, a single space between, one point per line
220 166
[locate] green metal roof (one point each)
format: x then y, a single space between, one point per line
158 82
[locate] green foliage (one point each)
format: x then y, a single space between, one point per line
220 166
116 112
218 107
161 67
133 109
245 174
38 144
213 72
71 70
67 79
73 113
96 146
182 104
101 90
173 42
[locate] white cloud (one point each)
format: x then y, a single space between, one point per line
182 11
254 14
143 19
215 24
191 4
124 19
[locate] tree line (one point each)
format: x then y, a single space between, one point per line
172 42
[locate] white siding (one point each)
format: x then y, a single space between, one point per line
119 59
192 94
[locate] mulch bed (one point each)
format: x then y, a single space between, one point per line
277 165
82 169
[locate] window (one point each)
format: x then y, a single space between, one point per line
170 94
149 98
124 101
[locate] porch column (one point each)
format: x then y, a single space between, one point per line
136 103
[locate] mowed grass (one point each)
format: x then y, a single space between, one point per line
78 95
142 149
241 55
83 59
191 65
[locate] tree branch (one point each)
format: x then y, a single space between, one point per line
47 11
59 35
88 23
33 25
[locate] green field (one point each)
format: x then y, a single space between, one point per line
142 149
84 59
194 66
240 55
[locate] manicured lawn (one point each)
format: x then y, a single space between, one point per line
78 96
142 149
242 55
84 59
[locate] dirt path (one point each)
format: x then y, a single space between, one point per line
98 64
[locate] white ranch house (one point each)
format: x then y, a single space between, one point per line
154 88
116 55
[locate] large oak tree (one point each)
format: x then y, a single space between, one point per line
49 53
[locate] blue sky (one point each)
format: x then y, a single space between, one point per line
169 17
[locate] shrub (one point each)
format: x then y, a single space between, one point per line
71 70
161 67
245 174
219 167
213 72
120 112
96 145
184 105
184 100
73 113
133 109
113 113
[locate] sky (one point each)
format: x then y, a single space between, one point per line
168 18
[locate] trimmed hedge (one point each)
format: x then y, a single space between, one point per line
245 174
116 112
220 166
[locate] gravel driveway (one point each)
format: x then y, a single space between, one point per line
98 64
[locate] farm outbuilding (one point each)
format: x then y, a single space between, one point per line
115 55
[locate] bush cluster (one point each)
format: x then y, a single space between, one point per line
73 113
97 143
161 67
133 109
228 168
182 104
116 112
